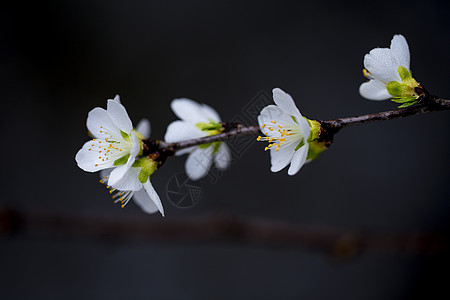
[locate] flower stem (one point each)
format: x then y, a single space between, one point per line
328 127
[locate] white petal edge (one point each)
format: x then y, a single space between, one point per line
210 113
100 124
198 163
304 127
285 102
119 116
116 98
185 151
188 110
153 196
181 130
374 90
87 160
222 158
129 181
400 48
281 158
143 200
298 160
144 128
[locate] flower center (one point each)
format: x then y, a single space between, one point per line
107 148
277 134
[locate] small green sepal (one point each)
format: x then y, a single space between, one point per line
315 130
315 148
122 160
125 136
148 166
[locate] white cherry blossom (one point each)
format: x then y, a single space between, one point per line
287 132
198 120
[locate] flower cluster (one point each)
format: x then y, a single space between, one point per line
127 158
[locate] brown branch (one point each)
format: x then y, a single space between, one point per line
340 243
329 128
432 104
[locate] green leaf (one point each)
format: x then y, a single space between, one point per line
403 99
121 160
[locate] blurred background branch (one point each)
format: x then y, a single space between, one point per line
341 243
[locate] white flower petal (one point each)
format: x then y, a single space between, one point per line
281 158
90 160
210 113
180 131
382 65
129 181
119 116
100 124
304 127
135 148
143 127
118 173
153 196
185 151
144 202
273 113
285 102
298 160
374 90
400 48
188 110
117 99
222 158
198 163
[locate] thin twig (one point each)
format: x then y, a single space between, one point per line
328 127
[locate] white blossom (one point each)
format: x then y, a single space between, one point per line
116 148
287 132
198 120
389 74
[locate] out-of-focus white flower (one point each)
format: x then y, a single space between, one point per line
198 120
287 132
389 74
115 148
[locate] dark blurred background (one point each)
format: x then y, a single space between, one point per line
59 59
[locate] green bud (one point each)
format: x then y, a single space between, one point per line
394 88
404 73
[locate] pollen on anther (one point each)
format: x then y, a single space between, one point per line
258 139
264 125
96 165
